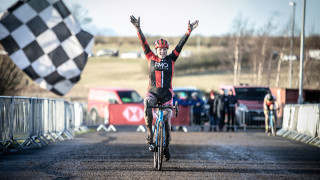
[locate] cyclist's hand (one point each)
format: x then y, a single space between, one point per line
135 22
192 26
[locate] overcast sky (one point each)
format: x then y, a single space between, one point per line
170 17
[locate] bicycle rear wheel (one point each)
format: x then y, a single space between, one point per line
160 147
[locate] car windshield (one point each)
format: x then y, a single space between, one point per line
251 93
188 93
130 97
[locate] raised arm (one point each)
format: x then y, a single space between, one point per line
144 43
177 50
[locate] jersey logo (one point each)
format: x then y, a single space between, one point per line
160 66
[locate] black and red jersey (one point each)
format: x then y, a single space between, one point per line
161 70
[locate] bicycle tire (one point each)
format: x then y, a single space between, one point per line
272 123
155 152
160 145
155 159
273 127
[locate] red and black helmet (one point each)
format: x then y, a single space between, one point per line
161 43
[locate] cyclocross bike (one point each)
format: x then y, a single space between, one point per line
272 121
159 140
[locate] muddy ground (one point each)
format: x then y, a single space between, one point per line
195 155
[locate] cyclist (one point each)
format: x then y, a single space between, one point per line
161 68
269 104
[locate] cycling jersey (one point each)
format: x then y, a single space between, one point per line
161 70
268 103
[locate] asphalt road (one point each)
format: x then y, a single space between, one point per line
195 155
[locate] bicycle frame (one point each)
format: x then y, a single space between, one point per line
158 120
158 148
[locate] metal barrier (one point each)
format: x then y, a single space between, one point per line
38 121
252 116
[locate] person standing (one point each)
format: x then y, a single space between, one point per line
183 101
197 104
233 101
212 112
221 105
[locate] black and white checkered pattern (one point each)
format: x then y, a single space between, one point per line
46 42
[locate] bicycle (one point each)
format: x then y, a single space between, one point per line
272 121
159 140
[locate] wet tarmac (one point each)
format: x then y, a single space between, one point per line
194 155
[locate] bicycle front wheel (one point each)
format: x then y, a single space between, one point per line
155 159
160 147
155 152
273 130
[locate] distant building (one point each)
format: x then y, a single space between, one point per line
289 58
314 54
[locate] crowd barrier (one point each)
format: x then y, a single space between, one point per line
252 116
26 121
302 123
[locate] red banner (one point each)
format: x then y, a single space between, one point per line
183 118
126 114
133 114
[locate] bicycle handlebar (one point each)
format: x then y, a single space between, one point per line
272 109
162 107
176 107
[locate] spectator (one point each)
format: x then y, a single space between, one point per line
197 104
221 105
231 110
212 112
183 101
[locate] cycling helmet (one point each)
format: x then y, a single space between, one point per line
269 97
161 43
194 94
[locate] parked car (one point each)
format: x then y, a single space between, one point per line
131 55
91 54
188 91
186 54
250 99
108 52
101 97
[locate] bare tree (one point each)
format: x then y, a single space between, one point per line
283 48
263 41
311 79
241 31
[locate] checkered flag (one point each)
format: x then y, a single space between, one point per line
46 42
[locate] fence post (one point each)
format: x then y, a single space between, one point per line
11 118
1 112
